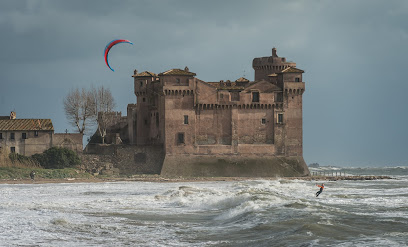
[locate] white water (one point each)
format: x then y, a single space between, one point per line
245 213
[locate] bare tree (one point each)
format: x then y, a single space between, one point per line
104 104
83 108
79 109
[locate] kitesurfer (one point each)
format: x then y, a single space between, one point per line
321 189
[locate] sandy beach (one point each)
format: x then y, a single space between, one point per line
149 178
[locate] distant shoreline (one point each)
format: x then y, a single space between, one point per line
159 179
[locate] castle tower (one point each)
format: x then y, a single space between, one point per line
142 86
179 113
266 66
293 88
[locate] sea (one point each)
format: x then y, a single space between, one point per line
246 213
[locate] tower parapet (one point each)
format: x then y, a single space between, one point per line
265 66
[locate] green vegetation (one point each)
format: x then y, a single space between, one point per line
60 163
24 173
8 159
15 157
57 158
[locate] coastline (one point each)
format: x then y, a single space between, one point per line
159 179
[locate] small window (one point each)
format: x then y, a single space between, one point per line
234 96
180 138
157 120
185 119
141 83
24 135
12 136
178 80
12 149
145 121
36 133
297 79
221 96
1 135
263 121
280 118
144 99
255 96
279 97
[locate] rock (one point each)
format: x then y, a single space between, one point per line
115 170
106 172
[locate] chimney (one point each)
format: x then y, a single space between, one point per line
135 72
13 115
274 52
186 69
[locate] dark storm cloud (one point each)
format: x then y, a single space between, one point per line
353 53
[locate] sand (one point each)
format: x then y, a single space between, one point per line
149 178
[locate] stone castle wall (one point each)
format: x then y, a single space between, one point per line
68 140
128 159
233 166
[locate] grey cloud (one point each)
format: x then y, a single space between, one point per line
353 53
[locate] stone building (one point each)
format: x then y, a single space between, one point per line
31 136
224 128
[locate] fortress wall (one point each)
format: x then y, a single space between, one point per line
129 159
68 140
243 149
213 127
261 149
293 126
233 166
250 128
176 107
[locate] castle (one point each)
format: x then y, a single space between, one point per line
224 128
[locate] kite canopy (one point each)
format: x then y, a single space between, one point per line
110 45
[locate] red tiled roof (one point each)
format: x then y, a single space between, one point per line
177 72
242 79
26 124
226 85
144 73
292 70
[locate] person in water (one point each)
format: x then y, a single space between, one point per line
321 189
32 175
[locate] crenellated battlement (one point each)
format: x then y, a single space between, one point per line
235 106
178 92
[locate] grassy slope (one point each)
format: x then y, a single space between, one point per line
24 173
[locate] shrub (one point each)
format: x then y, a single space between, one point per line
57 158
15 157
8 159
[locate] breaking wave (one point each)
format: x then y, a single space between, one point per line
243 213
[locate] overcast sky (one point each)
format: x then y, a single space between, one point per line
353 53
